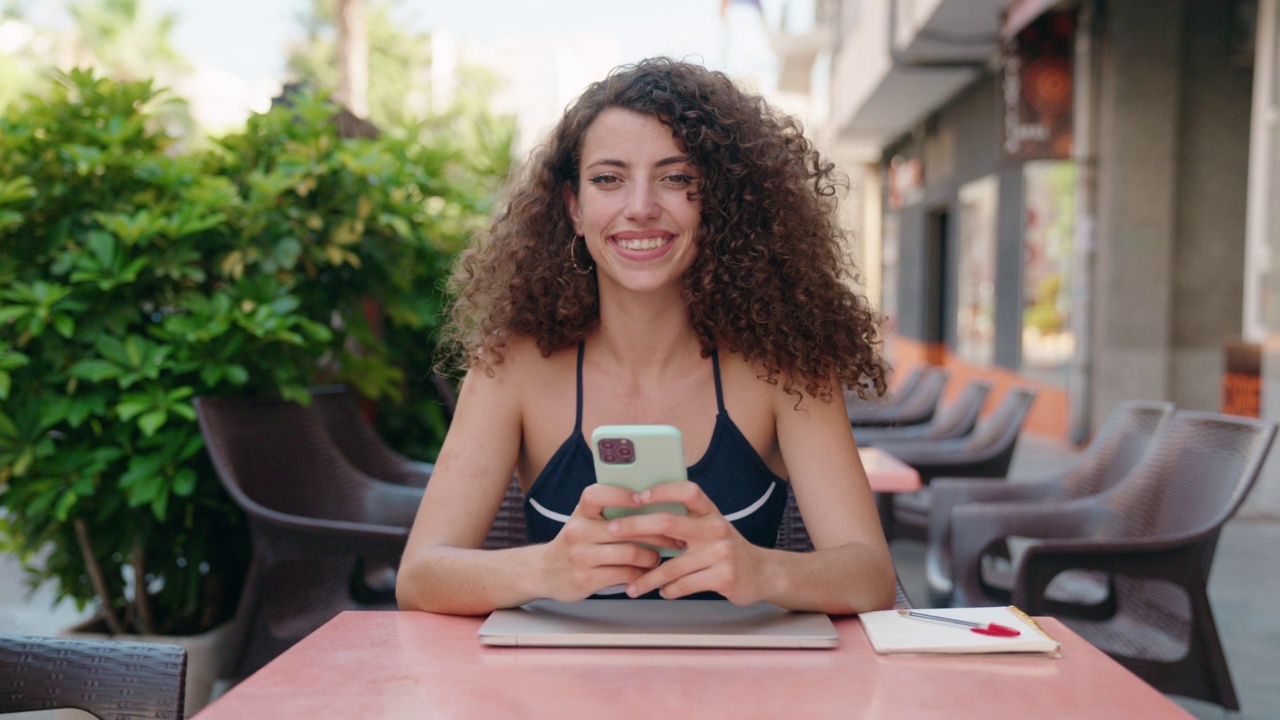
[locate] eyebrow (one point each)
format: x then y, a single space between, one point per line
611 162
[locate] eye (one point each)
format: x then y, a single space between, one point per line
605 179
679 179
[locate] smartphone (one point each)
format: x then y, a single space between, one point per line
636 457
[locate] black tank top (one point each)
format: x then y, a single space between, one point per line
731 473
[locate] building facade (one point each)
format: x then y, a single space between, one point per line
1079 194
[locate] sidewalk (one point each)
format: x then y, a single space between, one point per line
1242 590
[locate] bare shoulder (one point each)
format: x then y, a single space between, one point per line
751 379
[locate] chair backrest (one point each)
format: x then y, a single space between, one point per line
1192 479
107 678
277 455
998 432
922 402
858 406
959 417
447 395
1117 447
359 442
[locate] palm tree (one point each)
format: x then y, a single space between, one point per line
353 57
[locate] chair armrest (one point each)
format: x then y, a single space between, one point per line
293 536
390 504
975 526
1177 559
948 493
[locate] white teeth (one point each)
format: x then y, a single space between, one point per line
642 243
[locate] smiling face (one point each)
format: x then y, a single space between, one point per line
633 205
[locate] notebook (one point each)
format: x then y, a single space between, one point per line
657 623
892 633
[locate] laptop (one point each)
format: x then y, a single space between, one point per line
657 623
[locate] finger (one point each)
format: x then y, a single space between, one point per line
710 579
625 554
686 528
609 576
686 493
667 573
596 497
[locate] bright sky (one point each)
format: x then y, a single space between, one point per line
247 37
547 51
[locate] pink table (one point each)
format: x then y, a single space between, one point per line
888 474
419 665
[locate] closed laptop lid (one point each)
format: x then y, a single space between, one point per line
657 623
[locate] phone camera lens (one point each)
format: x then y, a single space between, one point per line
607 444
626 452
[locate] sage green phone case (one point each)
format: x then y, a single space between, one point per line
656 456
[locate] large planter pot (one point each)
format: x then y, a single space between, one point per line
205 653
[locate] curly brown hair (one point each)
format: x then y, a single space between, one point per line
768 280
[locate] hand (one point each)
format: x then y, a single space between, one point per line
584 558
716 557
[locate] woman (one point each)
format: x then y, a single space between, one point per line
670 257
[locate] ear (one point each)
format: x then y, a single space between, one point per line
571 204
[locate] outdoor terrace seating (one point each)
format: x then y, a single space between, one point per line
1154 533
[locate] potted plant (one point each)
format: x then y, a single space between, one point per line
134 277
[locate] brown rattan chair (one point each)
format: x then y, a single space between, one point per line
955 420
986 452
913 406
360 442
1117 447
858 405
1154 532
312 516
108 679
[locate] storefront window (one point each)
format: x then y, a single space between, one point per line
1047 342
976 280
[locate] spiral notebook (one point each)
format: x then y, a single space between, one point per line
657 623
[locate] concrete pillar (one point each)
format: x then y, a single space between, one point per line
1139 101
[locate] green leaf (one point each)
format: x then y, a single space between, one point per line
95 370
65 325
152 421
184 482
63 508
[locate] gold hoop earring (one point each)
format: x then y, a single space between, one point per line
573 256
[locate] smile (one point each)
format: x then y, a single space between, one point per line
649 243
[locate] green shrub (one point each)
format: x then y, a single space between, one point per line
134 278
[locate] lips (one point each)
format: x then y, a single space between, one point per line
640 241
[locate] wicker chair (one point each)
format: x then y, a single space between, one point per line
986 452
312 516
1117 447
857 405
360 442
955 420
1154 532
109 679
912 406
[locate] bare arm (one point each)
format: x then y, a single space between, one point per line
850 570
444 569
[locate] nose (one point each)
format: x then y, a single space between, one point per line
642 204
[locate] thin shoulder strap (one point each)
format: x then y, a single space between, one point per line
715 366
577 423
